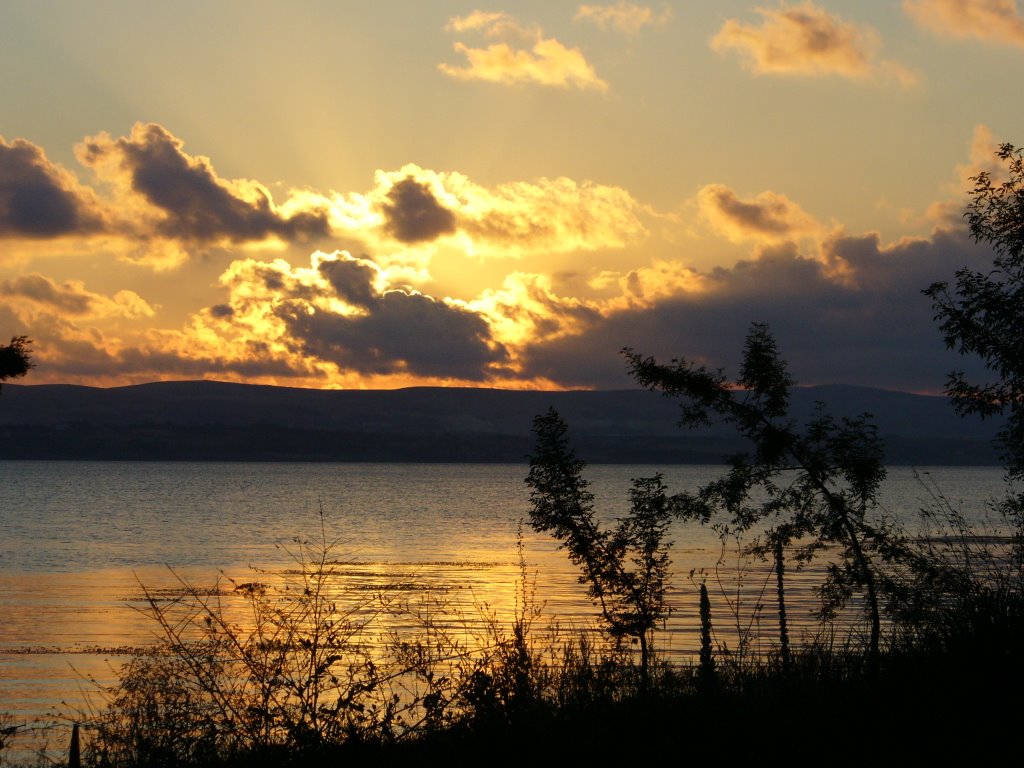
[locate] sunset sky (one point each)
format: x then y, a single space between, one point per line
353 194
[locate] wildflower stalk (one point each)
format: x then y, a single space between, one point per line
706 672
780 578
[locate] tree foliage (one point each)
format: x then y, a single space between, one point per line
982 314
810 488
626 567
15 358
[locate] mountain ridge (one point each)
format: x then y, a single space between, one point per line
211 420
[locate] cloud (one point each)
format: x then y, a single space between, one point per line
191 202
493 24
415 206
558 215
770 216
145 363
981 159
70 360
623 16
340 314
158 206
806 40
993 20
65 352
845 307
335 322
852 314
40 200
413 214
72 298
358 282
403 332
644 287
544 61
526 309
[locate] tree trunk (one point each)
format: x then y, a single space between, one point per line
645 669
869 584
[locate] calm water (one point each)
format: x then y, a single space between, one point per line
79 539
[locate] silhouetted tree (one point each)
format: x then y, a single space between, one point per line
983 314
15 359
814 485
625 568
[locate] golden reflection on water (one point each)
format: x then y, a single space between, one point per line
434 542
64 636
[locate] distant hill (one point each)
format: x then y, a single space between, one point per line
205 420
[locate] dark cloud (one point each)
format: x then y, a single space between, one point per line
402 332
414 215
258 362
197 203
858 317
394 331
11 323
73 358
911 264
222 310
770 215
272 279
352 280
66 298
751 215
37 199
64 353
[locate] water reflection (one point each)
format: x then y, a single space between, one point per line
66 634
83 539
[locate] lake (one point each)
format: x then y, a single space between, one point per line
80 541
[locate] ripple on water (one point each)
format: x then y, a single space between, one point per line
84 543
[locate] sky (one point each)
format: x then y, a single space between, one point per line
376 195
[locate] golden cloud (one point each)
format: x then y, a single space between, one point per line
769 216
415 205
646 286
623 16
157 192
995 20
71 297
157 205
161 206
167 193
493 24
544 61
555 215
342 317
526 309
981 159
806 40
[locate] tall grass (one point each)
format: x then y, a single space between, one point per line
288 668
290 664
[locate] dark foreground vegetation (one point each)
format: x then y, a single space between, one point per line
283 671
279 673
289 669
